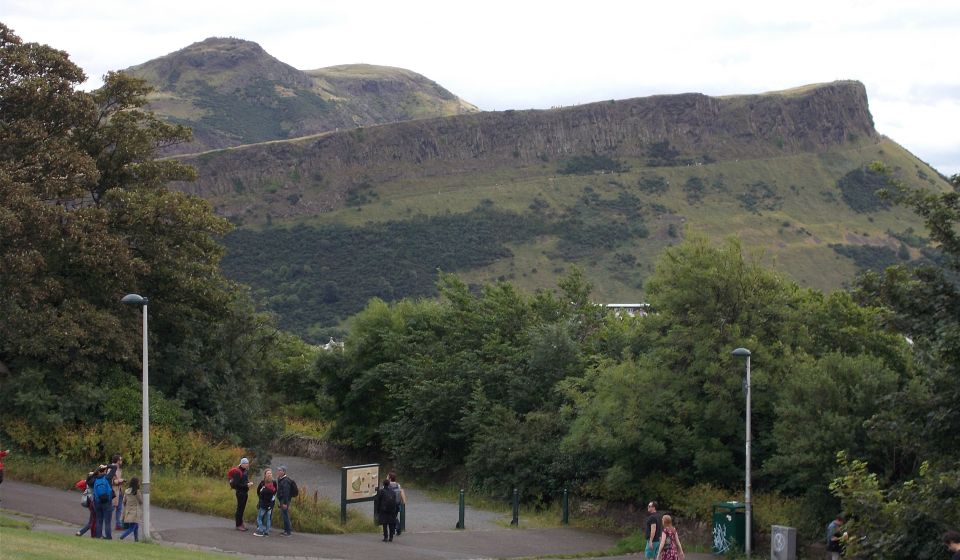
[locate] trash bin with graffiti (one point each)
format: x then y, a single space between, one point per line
729 527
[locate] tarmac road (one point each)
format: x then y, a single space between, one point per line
215 533
430 530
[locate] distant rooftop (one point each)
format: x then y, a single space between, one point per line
631 309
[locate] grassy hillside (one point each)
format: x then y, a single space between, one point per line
528 226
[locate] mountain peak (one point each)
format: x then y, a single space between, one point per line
231 91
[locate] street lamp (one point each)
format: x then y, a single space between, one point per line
134 299
744 353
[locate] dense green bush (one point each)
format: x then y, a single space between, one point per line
859 189
869 257
93 444
653 184
662 154
585 165
694 188
760 196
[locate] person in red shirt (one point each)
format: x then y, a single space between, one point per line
3 454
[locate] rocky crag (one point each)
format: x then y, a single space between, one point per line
320 172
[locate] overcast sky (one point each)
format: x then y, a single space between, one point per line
537 54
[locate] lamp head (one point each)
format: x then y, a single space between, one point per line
741 353
134 299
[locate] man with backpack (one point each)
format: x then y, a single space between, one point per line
241 484
385 508
401 500
103 503
286 491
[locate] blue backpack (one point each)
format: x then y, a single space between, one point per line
102 493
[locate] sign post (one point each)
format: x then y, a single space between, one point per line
358 483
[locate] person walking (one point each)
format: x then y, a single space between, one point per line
87 487
103 503
952 540
3 453
401 501
267 492
116 480
652 530
240 482
133 510
385 509
670 547
285 494
835 538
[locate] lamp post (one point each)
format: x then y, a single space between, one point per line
134 299
744 353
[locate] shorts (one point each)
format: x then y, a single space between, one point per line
651 550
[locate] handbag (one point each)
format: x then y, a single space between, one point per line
85 498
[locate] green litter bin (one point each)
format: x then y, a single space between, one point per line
729 527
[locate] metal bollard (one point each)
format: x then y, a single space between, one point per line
566 507
403 517
516 508
460 523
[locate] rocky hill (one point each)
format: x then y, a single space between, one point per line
232 92
668 130
330 220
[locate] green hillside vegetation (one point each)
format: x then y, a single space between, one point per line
231 92
816 217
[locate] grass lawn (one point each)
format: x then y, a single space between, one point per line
13 523
39 545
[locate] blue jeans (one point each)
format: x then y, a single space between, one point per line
264 520
285 515
132 528
119 514
104 515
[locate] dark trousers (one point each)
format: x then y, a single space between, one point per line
104 515
285 516
388 526
119 512
241 506
396 521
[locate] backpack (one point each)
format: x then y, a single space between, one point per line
388 500
294 491
232 475
102 493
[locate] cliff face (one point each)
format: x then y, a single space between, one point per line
319 171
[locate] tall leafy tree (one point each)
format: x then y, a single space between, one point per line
924 303
85 217
908 500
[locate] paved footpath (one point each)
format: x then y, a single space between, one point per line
429 535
